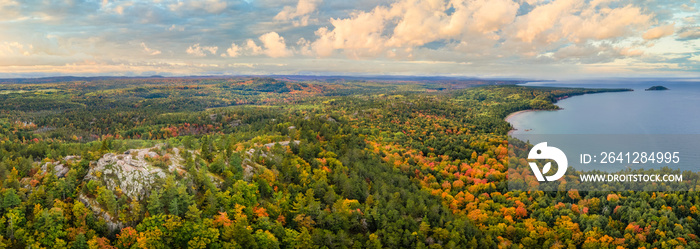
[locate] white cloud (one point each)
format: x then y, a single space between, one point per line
685 7
605 23
695 58
464 36
211 6
631 52
300 12
149 50
118 8
475 29
253 48
304 47
200 51
176 28
689 33
233 51
15 48
274 45
543 18
658 32
9 9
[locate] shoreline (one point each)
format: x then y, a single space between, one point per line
511 115
518 112
510 132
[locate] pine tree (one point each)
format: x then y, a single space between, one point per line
304 241
207 149
11 199
193 214
80 242
155 206
174 207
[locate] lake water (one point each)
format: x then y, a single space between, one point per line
641 120
675 111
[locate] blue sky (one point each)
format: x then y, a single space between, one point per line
494 38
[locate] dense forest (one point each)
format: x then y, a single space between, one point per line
278 163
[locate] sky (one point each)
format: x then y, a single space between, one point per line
478 38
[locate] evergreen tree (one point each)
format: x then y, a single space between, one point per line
155 206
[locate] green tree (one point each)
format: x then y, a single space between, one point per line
155 206
80 242
193 214
11 199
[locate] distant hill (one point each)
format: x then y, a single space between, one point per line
455 81
656 88
68 79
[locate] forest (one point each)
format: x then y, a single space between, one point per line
250 162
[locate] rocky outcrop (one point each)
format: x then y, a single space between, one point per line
112 224
133 171
250 168
59 169
283 143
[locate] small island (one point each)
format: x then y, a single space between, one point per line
656 88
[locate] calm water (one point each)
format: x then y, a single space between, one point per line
676 111
639 116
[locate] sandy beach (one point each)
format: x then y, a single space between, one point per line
513 115
518 112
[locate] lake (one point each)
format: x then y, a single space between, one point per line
641 120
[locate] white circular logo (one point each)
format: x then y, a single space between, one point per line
542 151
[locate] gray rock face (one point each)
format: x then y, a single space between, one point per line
59 169
131 171
283 143
236 122
92 204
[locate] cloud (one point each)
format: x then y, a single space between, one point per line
149 50
386 36
477 28
253 48
695 58
631 52
300 12
658 32
304 47
119 9
9 10
543 18
689 33
233 51
197 50
274 45
15 48
685 7
604 23
176 28
211 6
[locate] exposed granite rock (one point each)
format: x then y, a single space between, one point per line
250 168
92 204
283 143
58 168
236 122
131 171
